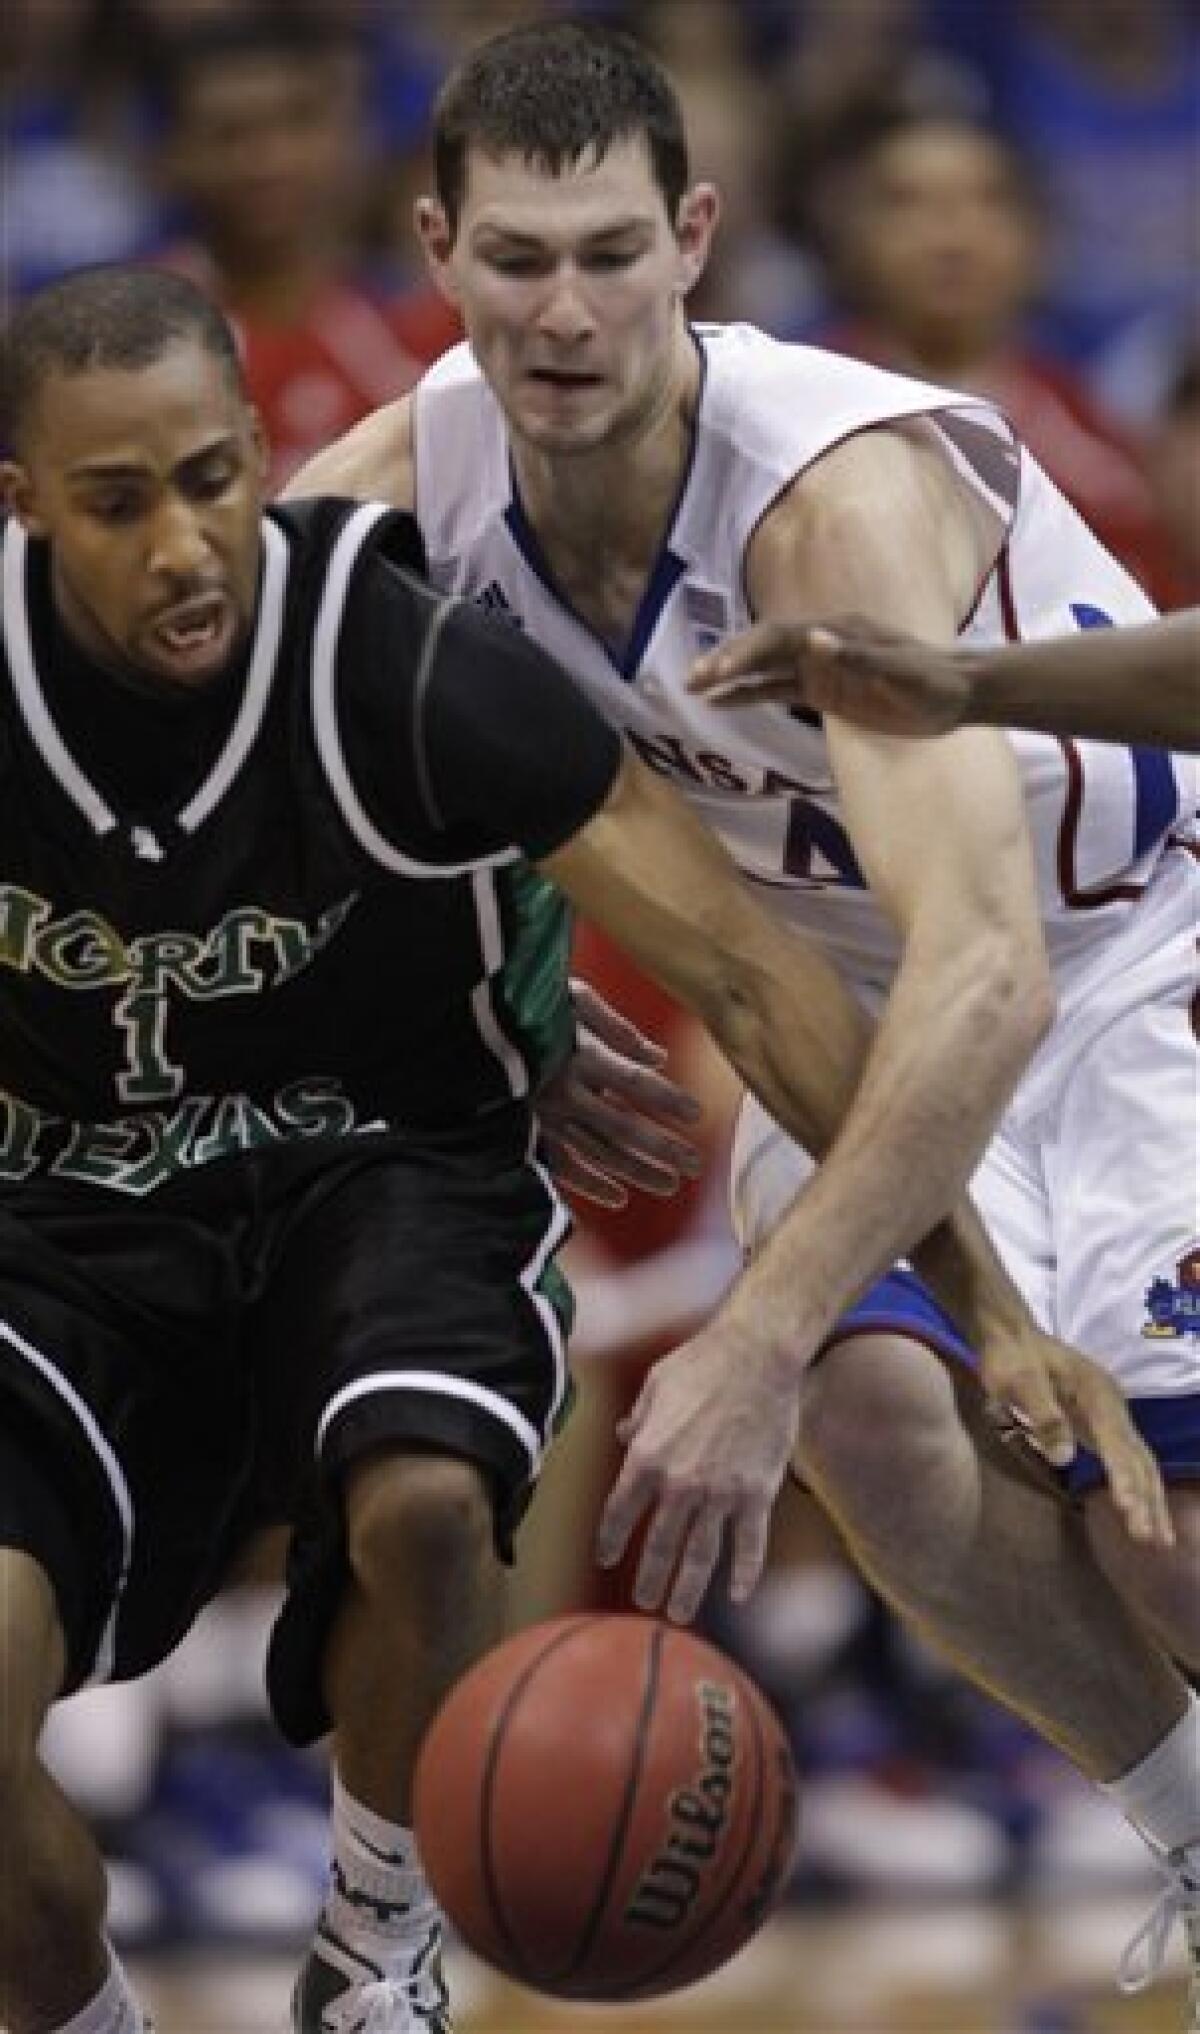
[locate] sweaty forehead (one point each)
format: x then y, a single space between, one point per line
151 416
590 193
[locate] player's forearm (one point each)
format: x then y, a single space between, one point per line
1099 683
945 1059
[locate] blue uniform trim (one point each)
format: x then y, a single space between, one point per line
1156 803
665 574
900 1305
1170 1428
1156 792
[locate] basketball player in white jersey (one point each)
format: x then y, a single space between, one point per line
1139 684
630 491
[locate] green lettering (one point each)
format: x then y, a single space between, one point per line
20 915
80 951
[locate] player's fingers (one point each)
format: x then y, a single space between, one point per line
635 1419
661 1549
624 1163
1027 1389
612 1026
647 1087
620 1125
1134 1477
751 1528
698 1563
758 691
632 1492
572 1171
773 647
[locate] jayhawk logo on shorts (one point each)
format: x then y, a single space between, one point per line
1174 1309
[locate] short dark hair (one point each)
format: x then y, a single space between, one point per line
549 91
104 317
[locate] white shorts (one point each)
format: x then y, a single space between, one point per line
1094 1201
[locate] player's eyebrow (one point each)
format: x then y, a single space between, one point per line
123 468
514 236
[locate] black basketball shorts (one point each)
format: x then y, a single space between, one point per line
179 1372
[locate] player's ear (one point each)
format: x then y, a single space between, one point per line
696 222
436 236
18 496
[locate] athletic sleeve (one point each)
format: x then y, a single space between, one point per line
462 737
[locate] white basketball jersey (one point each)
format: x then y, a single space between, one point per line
1101 815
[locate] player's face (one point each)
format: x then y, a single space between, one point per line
570 288
147 483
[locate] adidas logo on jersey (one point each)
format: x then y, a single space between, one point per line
495 601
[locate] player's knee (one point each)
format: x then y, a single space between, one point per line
416 1514
32 1663
876 1410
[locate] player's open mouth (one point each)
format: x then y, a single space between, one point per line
193 628
554 377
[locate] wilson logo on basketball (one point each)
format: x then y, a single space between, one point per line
698 1819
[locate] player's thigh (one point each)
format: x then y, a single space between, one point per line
414 1298
124 1452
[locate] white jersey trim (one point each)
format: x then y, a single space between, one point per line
114 1476
49 743
491 941
257 690
342 560
36 714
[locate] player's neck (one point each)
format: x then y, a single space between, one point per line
617 499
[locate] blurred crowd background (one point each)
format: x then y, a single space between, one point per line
1002 195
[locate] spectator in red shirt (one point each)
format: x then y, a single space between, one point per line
262 149
934 247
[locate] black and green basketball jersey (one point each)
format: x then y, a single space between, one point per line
329 922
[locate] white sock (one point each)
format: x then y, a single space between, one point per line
1161 1796
114 2010
379 1897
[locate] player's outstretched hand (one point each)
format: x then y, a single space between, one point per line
1062 1399
852 667
606 1117
709 1442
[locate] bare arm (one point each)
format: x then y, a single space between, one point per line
652 877
373 462
939 830
1134 684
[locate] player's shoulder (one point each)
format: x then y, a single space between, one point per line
373 461
803 400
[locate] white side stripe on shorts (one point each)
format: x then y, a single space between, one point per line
102 1664
559 1226
441 1385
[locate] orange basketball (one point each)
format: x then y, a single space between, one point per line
606 1807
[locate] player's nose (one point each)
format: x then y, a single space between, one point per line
565 312
179 546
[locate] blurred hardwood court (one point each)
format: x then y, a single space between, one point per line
905 1969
